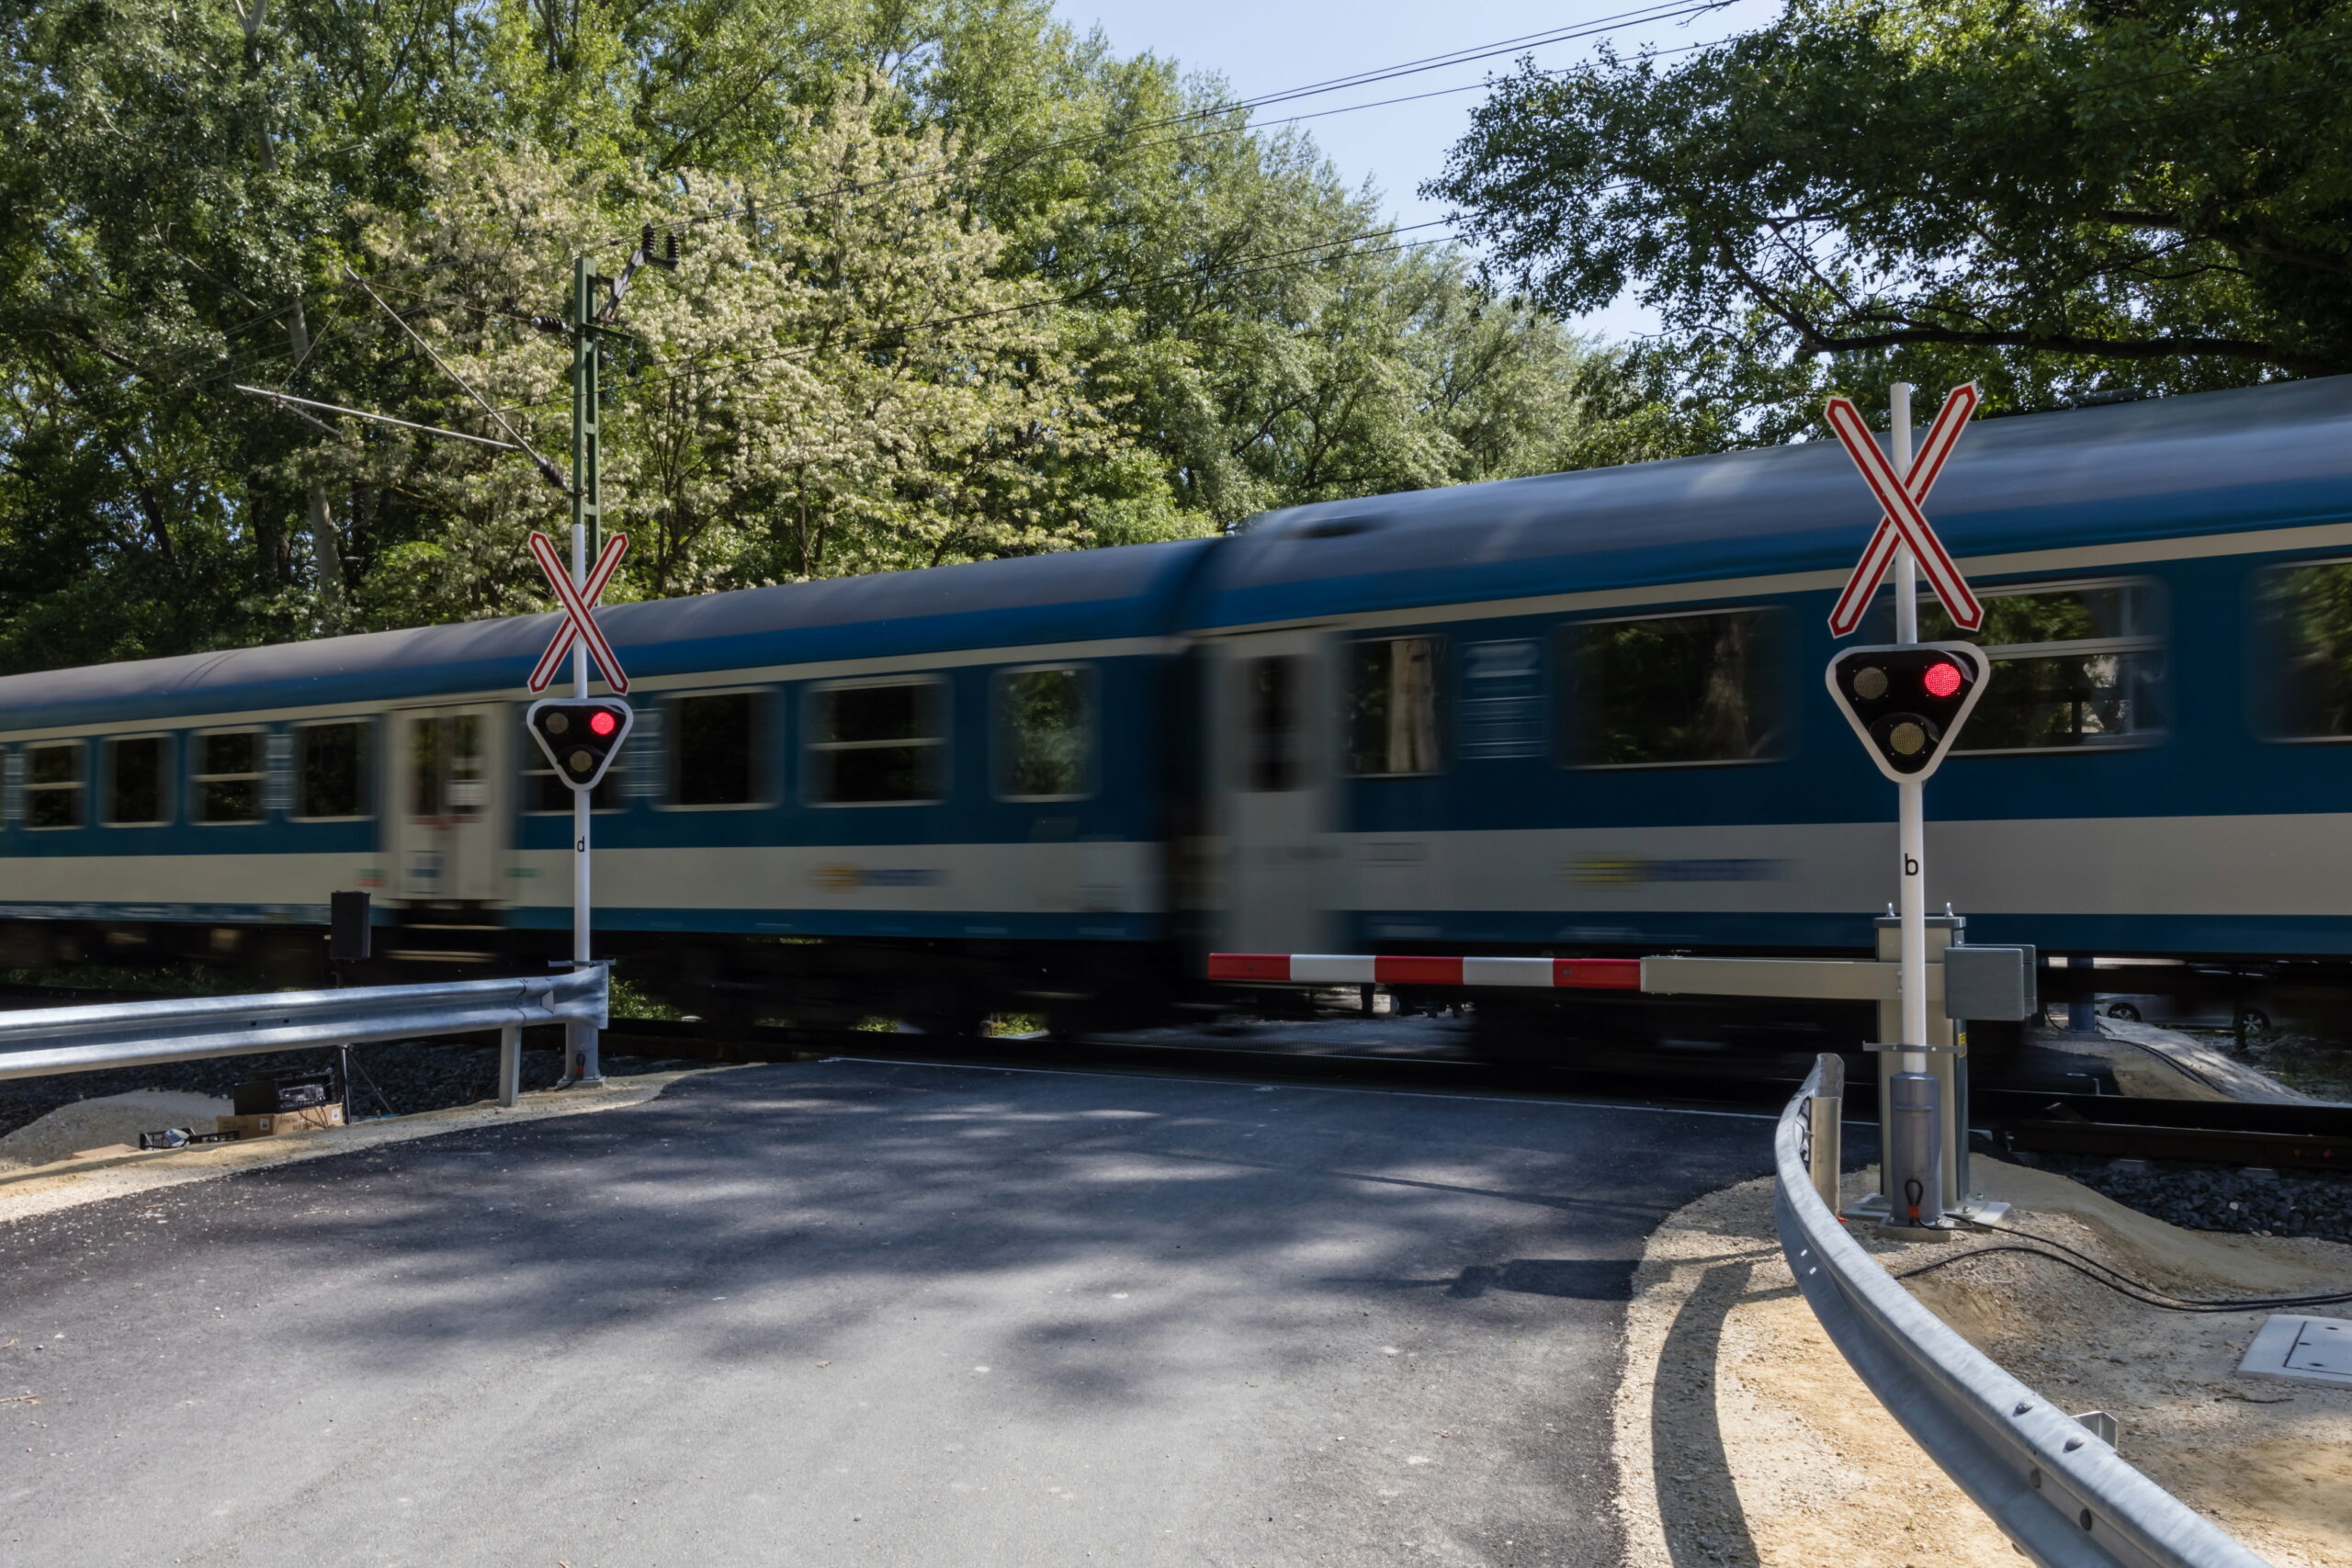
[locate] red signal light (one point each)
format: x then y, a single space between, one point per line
1941 680
602 721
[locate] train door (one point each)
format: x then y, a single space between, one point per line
1274 783
448 815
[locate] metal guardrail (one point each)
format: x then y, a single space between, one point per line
43 1041
2060 1495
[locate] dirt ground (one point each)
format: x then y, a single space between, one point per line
1743 1438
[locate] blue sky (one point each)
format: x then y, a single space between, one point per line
1267 48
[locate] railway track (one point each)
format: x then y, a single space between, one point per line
2309 1137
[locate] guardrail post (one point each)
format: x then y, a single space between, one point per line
580 1036
510 1066
1824 1120
580 1050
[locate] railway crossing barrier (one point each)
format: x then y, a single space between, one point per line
1987 984
2055 1488
43 1041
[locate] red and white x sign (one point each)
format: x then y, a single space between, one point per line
1901 519
579 615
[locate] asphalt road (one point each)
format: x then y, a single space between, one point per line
858 1312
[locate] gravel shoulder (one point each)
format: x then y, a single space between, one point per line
1743 1438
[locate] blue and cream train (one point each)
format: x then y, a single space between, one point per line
1579 714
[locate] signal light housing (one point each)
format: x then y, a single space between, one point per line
580 736
1907 701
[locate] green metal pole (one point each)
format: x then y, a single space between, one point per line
587 507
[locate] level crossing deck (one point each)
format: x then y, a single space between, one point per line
853 1312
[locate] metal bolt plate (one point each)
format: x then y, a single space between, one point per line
2306 1349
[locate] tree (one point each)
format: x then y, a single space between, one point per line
829 384
958 283
2056 196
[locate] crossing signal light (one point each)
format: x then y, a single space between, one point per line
581 736
1907 701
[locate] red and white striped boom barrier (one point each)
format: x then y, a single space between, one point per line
1354 969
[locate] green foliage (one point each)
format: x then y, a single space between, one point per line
2058 197
958 283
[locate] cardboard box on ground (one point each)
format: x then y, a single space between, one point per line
308 1119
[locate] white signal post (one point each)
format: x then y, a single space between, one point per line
577 593
586 1066
1911 793
581 1061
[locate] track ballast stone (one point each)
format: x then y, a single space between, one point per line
2247 1201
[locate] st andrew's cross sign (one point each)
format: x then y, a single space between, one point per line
579 615
1901 522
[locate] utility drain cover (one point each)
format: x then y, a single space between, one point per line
2308 1350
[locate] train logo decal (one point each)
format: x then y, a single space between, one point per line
1630 871
851 878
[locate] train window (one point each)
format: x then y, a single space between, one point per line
714 757
135 782
1675 691
877 744
2076 665
331 769
1273 749
53 784
2305 614
1045 739
1502 701
228 776
1390 705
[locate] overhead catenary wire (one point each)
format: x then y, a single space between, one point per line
885 336
1269 261
1664 11
275 396
548 470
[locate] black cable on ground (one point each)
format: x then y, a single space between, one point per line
2324 1298
2124 1285
2100 1264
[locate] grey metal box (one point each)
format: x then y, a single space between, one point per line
1991 983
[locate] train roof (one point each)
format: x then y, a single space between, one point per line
1071 596
2255 458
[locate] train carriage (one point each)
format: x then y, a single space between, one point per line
960 763
1585 712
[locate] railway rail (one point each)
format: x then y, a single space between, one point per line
2312 1136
